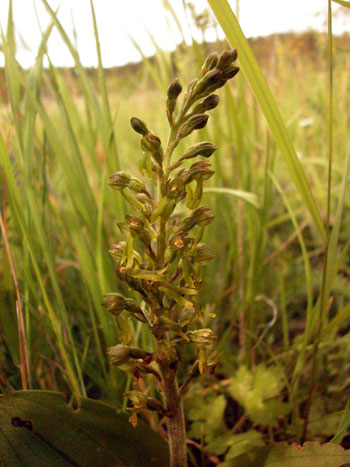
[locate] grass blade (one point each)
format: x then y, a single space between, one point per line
249 198
252 71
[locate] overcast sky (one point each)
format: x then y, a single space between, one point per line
119 19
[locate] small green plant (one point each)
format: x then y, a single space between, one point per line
162 256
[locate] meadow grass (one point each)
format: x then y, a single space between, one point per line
280 238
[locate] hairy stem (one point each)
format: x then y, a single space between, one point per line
172 397
176 422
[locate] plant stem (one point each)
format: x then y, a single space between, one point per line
172 397
176 422
323 292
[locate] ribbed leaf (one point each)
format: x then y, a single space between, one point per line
311 454
38 429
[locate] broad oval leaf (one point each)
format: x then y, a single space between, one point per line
311 454
38 429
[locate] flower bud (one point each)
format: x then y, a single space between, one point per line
174 90
226 58
204 149
208 80
202 216
209 103
209 63
195 122
187 224
151 143
132 307
136 185
139 353
230 72
117 250
203 336
119 180
201 255
142 198
119 354
199 171
139 126
114 302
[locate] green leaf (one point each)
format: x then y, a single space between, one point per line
311 454
96 434
342 3
238 444
207 415
257 391
246 196
344 424
335 322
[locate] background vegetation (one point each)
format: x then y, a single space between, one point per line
279 283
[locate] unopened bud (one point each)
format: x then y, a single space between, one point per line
136 185
117 250
139 353
203 336
119 354
202 216
209 103
201 253
142 198
227 57
195 122
204 149
230 72
151 143
208 80
187 224
139 126
119 180
199 171
175 88
116 303
209 63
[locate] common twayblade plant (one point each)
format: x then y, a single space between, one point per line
163 255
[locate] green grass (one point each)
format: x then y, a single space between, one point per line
277 217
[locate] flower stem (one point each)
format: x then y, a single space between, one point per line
176 422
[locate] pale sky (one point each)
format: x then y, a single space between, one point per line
119 19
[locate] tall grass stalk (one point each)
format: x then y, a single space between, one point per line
323 302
